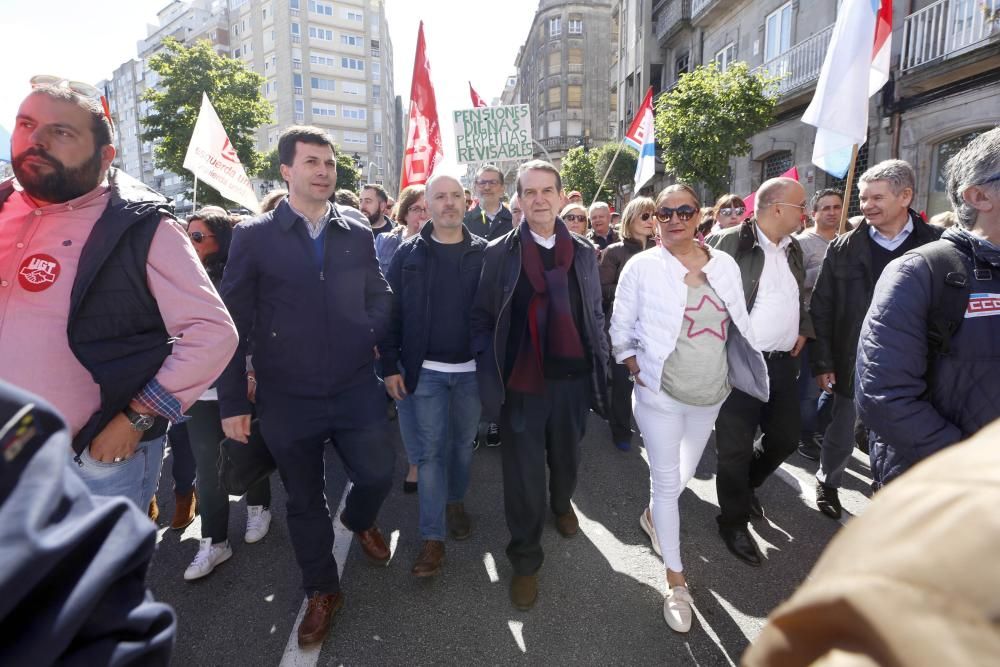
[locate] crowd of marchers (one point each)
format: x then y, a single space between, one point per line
466 318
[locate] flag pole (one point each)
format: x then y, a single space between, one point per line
608 172
847 191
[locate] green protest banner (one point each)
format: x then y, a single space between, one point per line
493 134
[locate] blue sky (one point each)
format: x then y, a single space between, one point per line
87 39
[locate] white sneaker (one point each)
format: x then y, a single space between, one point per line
258 523
677 609
647 526
209 555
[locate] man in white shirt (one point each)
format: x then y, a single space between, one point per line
773 273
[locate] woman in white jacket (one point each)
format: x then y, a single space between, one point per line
680 326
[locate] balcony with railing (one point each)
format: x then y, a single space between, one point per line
799 66
948 28
703 10
561 143
672 17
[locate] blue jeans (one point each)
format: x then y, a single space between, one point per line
135 478
407 429
446 411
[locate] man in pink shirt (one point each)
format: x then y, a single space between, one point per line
105 310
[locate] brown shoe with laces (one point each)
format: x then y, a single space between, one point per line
524 591
316 622
372 543
567 524
459 525
185 507
430 559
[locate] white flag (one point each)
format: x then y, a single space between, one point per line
640 137
212 158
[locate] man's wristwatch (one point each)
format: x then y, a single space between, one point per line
139 421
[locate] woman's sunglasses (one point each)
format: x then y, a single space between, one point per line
198 237
733 210
645 216
572 217
684 213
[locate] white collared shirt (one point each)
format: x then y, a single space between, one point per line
547 243
775 315
895 241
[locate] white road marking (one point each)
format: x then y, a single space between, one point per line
491 568
295 656
516 629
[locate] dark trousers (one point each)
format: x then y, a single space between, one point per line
206 433
620 415
537 429
296 431
742 465
183 468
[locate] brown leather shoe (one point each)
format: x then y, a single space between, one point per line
567 524
185 507
524 591
372 543
316 622
459 525
430 559
154 510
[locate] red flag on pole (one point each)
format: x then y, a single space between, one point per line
477 101
423 138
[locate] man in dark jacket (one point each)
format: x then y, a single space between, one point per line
843 291
304 282
105 309
375 207
490 219
434 277
773 273
541 354
601 233
918 398
72 584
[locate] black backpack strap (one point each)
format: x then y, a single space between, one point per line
950 289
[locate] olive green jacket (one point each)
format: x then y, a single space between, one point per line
741 242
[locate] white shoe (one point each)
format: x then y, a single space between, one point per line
258 523
677 609
647 527
209 555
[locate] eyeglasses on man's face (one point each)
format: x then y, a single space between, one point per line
488 182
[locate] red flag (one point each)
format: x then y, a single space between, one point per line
477 101
423 140
751 198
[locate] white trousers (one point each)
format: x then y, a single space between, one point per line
675 435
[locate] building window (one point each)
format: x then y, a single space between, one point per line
376 92
555 97
778 32
937 199
355 137
726 56
236 4
320 8
574 97
682 65
574 61
321 33
294 4
319 83
351 40
377 138
297 83
352 88
354 113
555 62
376 51
614 102
327 61
329 110
555 27
575 27
776 164
353 63
353 16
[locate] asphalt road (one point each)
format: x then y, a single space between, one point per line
601 593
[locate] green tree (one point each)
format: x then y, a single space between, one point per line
348 174
186 73
708 118
622 171
577 173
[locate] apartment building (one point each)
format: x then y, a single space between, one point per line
563 73
945 78
327 64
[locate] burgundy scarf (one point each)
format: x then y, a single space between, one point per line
551 329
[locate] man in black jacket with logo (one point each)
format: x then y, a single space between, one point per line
840 299
541 354
490 219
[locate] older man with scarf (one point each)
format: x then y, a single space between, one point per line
538 336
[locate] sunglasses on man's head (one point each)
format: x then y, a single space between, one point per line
78 87
572 217
198 237
733 210
684 213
